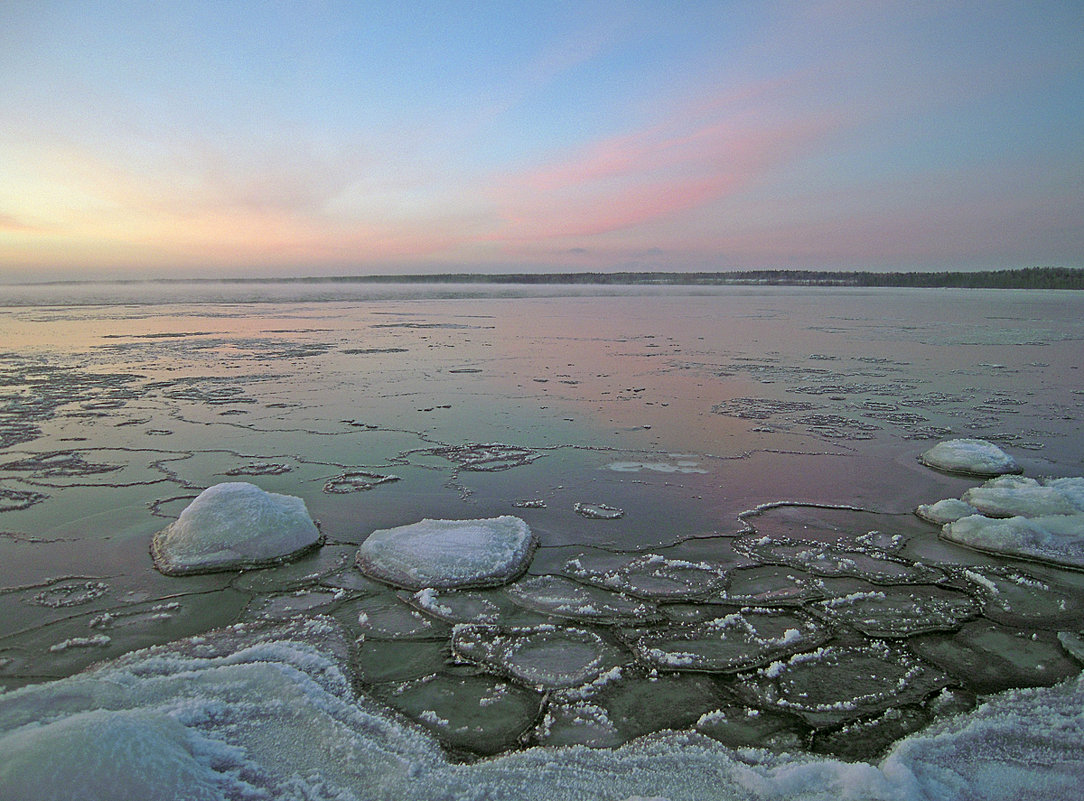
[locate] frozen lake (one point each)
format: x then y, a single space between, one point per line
729 580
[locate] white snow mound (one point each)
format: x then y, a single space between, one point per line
1013 496
233 526
443 554
946 511
1050 538
969 457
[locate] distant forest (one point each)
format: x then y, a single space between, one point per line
1025 278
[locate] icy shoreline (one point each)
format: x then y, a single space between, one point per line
261 712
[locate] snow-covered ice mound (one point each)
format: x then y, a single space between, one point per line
233 526
1016 496
443 554
969 457
269 712
1051 538
945 511
1017 516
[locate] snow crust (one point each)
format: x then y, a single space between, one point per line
444 554
232 526
971 457
259 712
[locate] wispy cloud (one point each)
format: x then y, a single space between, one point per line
685 161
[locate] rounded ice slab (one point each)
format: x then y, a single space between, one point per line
969 457
1058 539
233 526
445 554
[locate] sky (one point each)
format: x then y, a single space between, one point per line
141 139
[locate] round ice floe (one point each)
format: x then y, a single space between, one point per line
1051 538
233 526
738 641
448 553
971 457
946 511
562 597
900 611
650 576
546 657
991 658
835 684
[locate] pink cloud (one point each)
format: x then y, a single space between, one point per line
681 163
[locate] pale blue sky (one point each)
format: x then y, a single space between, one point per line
323 137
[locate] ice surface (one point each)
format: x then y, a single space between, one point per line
457 606
1015 597
255 712
389 617
650 576
479 714
970 457
1051 538
562 597
991 658
636 706
900 611
769 585
545 657
747 727
840 683
444 554
233 526
822 559
738 641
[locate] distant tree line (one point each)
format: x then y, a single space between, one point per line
1025 278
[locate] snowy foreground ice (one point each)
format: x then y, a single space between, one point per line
232 526
262 712
441 554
